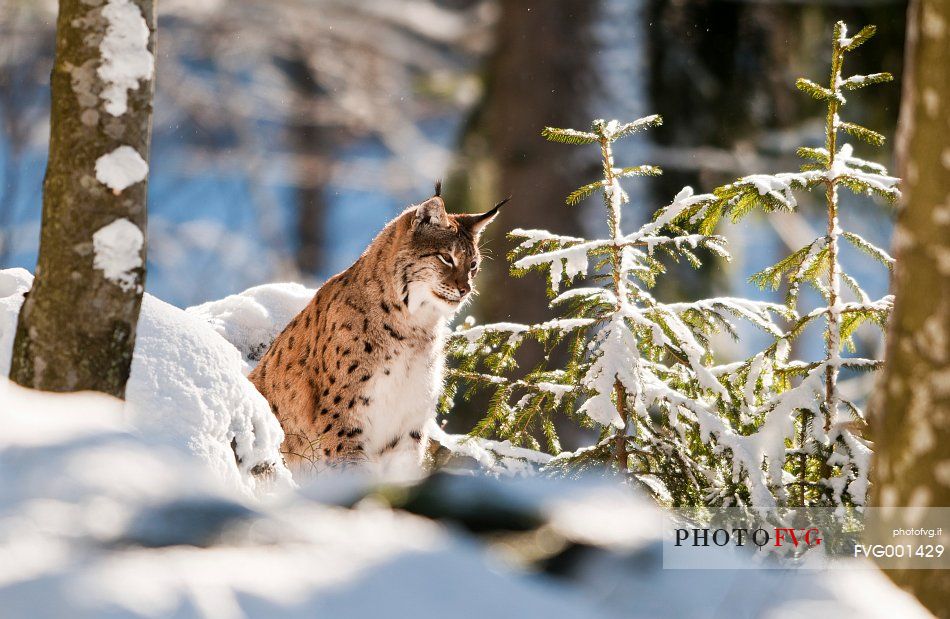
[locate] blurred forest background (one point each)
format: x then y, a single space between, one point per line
287 132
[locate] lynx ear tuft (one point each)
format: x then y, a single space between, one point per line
476 223
431 213
438 188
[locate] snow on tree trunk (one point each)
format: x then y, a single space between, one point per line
912 409
76 330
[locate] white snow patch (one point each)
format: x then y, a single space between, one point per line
843 39
879 181
571 261
118 252
555 389
533 237
779 186
683 200
188 386
616 358
496 458
125 56
121 168
252 319
517 331
14 283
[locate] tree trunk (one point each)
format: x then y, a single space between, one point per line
312 251
912 409
541 73
311 145
76 329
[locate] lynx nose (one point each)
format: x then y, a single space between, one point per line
464 289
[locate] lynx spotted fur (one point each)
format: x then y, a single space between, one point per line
356 375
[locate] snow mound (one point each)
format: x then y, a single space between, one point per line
188 385
187 389
13 284
252 319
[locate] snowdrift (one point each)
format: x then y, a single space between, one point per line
252 319
96 521
187 390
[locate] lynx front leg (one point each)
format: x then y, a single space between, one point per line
302 455
335 449
343 450
404 456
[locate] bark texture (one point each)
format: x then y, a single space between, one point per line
312 144
911 419
76 329
542 72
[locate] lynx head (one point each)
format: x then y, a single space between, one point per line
441 258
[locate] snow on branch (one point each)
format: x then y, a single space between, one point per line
534 237
600 294
759 313
568 136
665 216
498 458
615 130
849 44
516 331
568 261
615 360
860 81
777 187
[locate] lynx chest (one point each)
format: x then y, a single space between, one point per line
403 394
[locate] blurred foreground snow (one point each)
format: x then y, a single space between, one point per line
141 510
98 522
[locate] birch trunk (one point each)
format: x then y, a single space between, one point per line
76 329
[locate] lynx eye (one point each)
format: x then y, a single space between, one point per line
446 260
474 266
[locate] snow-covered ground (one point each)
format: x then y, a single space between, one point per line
187 390
140 509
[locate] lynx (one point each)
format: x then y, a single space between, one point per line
356 375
